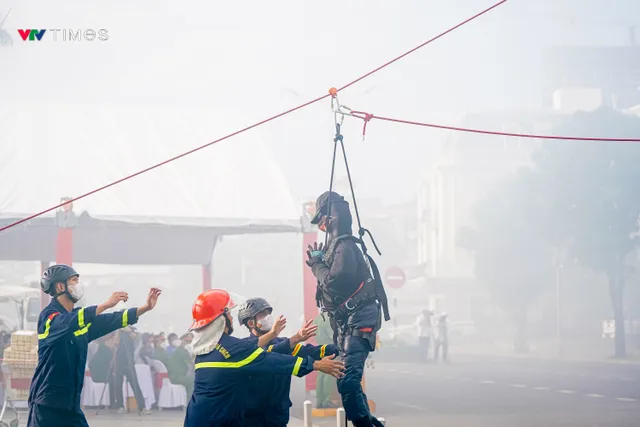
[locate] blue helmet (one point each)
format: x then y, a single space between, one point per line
58 273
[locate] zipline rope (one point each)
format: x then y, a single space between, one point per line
368 117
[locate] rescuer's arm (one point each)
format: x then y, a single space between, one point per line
282 347
57 325
293 345
259 361
344 268
107 323
317 352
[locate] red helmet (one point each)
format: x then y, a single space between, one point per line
209 306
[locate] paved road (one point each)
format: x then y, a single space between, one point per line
506 392
156 419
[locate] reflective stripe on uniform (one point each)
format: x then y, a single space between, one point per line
47 326
81 318
270 348
125 318
239 364
296 350
322 350
82 331
296 367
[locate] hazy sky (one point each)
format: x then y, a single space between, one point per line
252 59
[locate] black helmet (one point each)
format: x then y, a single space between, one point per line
58 273
322 204
251 308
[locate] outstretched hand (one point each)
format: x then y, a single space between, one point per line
152 300
329 366
279 325
115 298
307 331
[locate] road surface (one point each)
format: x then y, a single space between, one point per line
503 392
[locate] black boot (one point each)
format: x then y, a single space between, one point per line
375 422
362 422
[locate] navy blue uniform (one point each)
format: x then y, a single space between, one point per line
221 382
268 399
63 340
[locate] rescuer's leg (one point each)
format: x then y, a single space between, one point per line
356 350
44 416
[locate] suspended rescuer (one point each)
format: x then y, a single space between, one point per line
352 295
64 333
224 364
268 400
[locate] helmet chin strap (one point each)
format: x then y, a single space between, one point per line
228 323
66 292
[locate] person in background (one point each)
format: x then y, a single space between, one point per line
147 349
425 332
161 337
159 350
173 342
442 338
125 367
5 339
180 366
100 364
326 385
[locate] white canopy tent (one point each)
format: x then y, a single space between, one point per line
49 151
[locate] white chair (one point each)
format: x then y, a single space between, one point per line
171 395
91 392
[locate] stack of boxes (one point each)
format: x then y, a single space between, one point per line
21 359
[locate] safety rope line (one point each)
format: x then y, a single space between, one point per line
368 117
306 104
331 178
340 110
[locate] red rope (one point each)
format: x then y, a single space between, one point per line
367 117
306 104
425 43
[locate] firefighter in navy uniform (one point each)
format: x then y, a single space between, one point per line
352 296
64 333
224 364
268 399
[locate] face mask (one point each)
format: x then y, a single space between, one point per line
265 324
76 292
175 343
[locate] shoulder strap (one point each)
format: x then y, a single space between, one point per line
380 292
333 244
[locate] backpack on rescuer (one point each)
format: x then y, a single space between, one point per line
372 288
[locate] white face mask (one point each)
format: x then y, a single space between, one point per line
265 324
76 291
176 343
